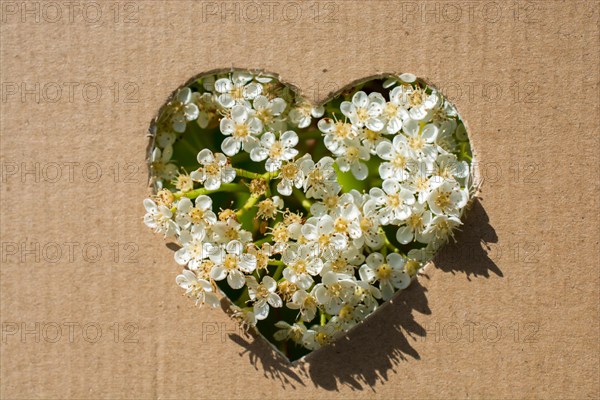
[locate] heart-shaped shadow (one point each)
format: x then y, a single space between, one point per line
306 217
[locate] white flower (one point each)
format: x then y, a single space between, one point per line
447 198
198 289
320 335
237 90
159 218
371 139
389 272
412 228
275 151
348 221
440 229
241 130
369 223
226 231
394 114
394 200
334 291
183 110
331 203
301 265
321 234
306 303
448 167
349 157
231 263
268 110
321 177
291 177
286 331
367 294
161 167
215 170
194 248
346 262
336 132
420 141
165 138
208 108
398 159
419 102
349 315
244 315
301 114
263 294
420 181
365 110
199 214
269 207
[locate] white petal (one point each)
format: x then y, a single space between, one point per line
230 146
404 235
235 279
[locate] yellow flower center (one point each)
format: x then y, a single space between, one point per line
390 110
212 169
345 313
366 224
265 115
370 135
299 267
352 154
240 131
383 272
289 171
411 267
416 142
343 130
362 114
276 150
399 161
324 240
394 200
196 215
321 338
415 221
442 200
341 225
237 93
416 98
230 262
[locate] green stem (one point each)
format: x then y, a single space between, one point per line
225 187
252 175
261 241
279 270
244 297
323 317
249 204
388 244
303 200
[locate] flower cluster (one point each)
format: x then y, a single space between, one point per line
323 213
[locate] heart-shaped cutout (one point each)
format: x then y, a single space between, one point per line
307 218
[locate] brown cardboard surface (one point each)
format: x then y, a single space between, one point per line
89 307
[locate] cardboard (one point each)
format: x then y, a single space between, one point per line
89 307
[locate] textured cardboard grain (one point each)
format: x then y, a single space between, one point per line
89 307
